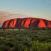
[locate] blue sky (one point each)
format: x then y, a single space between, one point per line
39 8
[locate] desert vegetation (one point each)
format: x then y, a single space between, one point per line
25 40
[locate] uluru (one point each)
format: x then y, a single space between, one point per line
27 23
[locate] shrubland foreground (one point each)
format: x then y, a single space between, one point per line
25 40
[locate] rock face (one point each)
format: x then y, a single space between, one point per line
27 23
